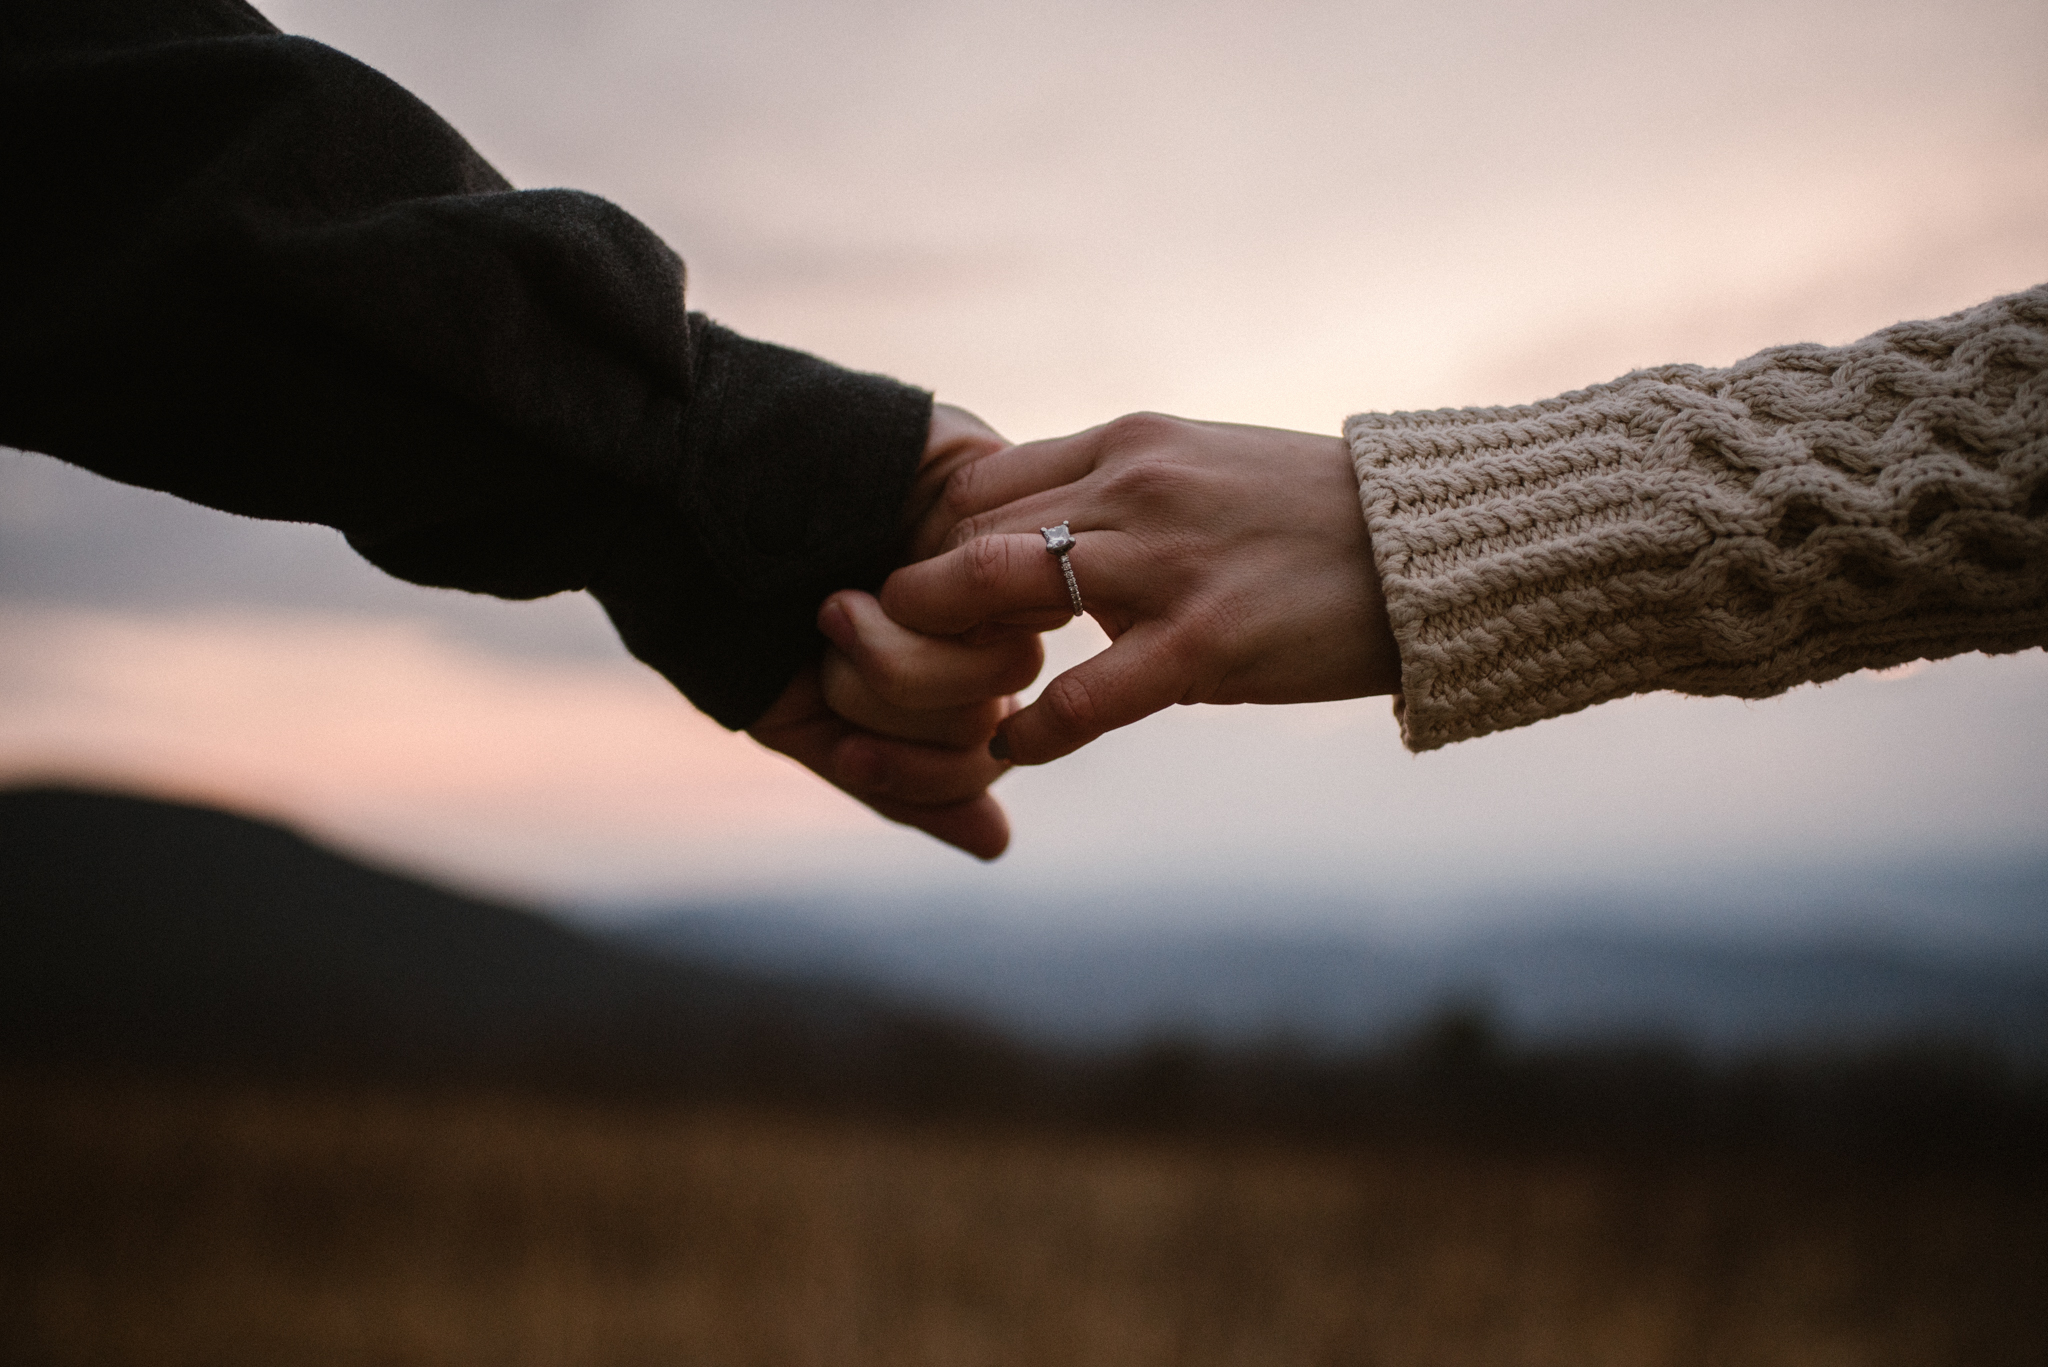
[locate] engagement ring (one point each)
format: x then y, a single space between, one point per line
1058 541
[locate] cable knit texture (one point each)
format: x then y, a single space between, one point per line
1799 515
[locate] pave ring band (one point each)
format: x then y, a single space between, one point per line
1058 541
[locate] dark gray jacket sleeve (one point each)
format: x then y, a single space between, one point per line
248 270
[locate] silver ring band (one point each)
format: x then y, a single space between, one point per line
1058 541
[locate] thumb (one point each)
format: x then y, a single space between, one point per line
1144 671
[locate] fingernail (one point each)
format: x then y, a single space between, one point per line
837 624
999 746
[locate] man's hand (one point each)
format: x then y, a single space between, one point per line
903 721
957 440
1227 564
941 791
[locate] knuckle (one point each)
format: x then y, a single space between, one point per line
1150 480
961 495
839 682
890 677
1069 706
1139 431
966 530
985 564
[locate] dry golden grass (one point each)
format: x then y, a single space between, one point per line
220 1226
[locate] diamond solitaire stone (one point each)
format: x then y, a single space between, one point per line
1058 538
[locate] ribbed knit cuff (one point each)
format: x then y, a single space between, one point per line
1805 513
794 477
1518 557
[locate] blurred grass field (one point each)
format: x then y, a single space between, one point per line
180 1224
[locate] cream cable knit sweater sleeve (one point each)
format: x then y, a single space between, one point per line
1802 514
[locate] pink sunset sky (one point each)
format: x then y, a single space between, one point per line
1278 213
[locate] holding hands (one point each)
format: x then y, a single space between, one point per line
903 721
1787 520
1227 564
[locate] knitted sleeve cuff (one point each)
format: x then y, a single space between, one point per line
794 477
1805 513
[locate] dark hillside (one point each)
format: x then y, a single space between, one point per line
139 932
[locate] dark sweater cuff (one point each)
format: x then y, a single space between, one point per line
791 485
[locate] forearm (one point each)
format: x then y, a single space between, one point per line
244 269
1805 513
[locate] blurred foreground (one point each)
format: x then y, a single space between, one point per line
262 1104
229 1224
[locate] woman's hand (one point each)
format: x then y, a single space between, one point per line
903 721
1227 564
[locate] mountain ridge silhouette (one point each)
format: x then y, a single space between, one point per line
144 932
